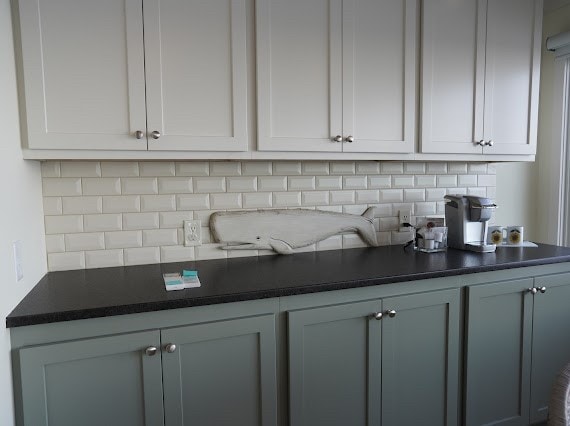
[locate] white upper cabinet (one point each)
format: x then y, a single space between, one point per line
336 75
480 76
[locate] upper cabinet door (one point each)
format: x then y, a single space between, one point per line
514 34
299 66
83 68
453 76
379 75
195 53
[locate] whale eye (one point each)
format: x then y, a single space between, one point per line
259 238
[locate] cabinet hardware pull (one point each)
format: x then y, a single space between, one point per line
377 316
542 289
155 134
533 290
337 138
391 313
490 142
139 134
170 348
481 143
349 139
151 350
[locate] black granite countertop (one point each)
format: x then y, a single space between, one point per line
71 295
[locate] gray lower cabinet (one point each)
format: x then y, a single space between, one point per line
349 366
517 341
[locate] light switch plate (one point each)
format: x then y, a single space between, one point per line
192 233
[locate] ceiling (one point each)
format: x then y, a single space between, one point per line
550 5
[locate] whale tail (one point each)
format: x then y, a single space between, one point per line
367 231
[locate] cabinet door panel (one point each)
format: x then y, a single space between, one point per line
420 356
83 66
221 373
379 75
498 354
299 62
102 381
512 75
334 365
453 72
196 74
550 341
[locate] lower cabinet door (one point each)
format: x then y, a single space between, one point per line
93 382
221 373
334 365
550 340
420 359
498 353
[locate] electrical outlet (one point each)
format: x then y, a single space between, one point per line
192 233
18 267
405 216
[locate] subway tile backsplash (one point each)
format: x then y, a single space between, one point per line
101 214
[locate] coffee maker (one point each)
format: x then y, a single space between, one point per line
466 217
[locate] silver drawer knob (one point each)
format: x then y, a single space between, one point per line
377 316
481 143
337 138
349 139
151 350
391 313
155 134
542 289
533 290
490 143
139 134
170 348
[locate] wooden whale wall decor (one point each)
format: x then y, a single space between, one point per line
285 230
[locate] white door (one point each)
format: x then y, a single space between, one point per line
299 67
83 74
379 75
453 76
196 74
514 34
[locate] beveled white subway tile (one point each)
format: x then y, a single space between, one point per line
457 168
177 254
477 168
82 205
205 185
440 207
355 209
256 168
391 195
402 181
301 183
368 196
479 192
119 168
198 168
491 168
52 206
63 224
487 180
206 235
61 186
242 184
158 203
491 192
384 238
286 199
141 256
398 238
378 182
287 168
391 168
123 239
174 185
382 210
85 241
225 201
352 241
328 182
425 209
121 204
396 207
315 198
225 168
342 168
101 186
425 181
342 197
80 169
135 221
331 243
389 224
104 258
257 200
411 195
354 182
446 180
174 219
203 216
153 169
367 168
272 183
456 191
435 194
139 186
315 168
55 243
467 180
193 202
66 261
210 251
437 167
414 168
102 222
51 169
160 237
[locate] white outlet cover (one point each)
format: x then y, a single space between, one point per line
192 233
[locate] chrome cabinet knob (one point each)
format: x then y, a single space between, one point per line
151 350
337 138
391 313
155 134
139 134
481 143
490 142
533 290
377 316
542 289
170 348
349 139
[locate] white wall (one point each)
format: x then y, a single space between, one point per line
21 213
